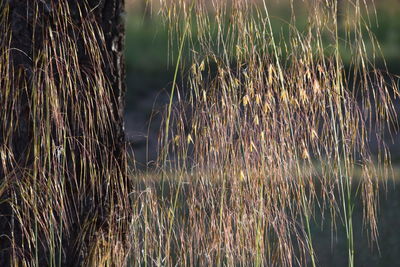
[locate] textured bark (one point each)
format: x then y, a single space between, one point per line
29 25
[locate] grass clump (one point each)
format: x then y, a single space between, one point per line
272 134
278 125
62 171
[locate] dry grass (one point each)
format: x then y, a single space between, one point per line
272 131
62 171
276 109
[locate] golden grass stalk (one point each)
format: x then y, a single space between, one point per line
270 117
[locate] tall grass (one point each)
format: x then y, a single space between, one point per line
272 131
63 170
272 127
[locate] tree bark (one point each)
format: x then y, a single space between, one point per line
62 146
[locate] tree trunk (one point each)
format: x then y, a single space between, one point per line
62 151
